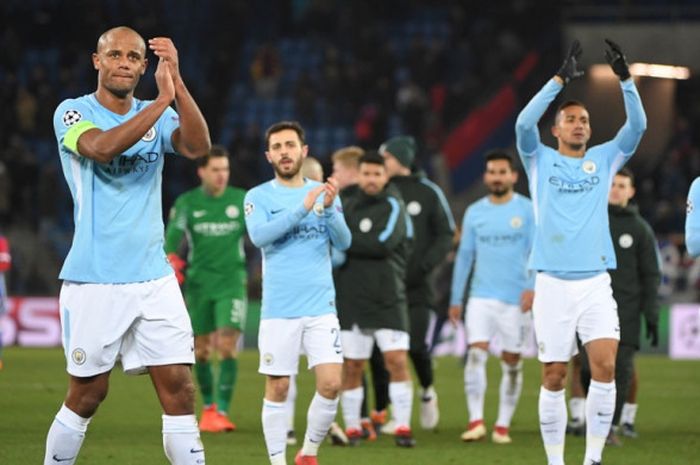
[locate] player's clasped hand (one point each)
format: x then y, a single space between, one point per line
617 60
330 188
164 81
312 195
569 69
164 48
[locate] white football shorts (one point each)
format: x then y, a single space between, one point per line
358 342
564 307
282 340
143 324
485 319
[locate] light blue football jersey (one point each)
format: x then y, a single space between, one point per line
296 248
692 220
496 240
570 195
117 206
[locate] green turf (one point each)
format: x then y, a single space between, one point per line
126 429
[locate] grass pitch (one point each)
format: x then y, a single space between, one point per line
126 429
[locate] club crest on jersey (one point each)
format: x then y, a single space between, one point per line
365 225
150 135
70 117
626 241
318 209
78 356
232 211
516 222
268 359
588 167
414 208
248 208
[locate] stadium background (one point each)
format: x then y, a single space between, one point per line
453 74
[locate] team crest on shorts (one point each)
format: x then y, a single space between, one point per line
365 225
248 208
414 208
70 117
78 356
318 209
588 167
268 359
150 135
516 222
232 211
626 241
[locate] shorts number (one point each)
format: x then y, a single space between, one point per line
336 340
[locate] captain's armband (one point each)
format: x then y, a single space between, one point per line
70 140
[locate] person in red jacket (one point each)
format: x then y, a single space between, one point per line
5 263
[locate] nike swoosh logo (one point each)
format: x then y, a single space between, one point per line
56 459
600 414
199 213
274 212
547 423
196 451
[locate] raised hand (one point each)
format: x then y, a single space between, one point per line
331 190
617 60
164 81
569 69
164 48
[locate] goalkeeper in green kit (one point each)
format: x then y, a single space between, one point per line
211 218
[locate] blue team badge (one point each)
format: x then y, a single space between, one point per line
318 209
588 167
150 135
70 117
248 208
78 356
516 222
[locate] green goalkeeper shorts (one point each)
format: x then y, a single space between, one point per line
211 313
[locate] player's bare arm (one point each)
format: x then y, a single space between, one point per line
191 139
454 314
103 146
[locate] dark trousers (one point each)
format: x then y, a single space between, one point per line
624 369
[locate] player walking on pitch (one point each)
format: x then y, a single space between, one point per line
211 217
295 222
120 298
497 232
572 248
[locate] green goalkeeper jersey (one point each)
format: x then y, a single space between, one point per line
214 228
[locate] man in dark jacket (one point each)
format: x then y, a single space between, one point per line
371 295
434 227
635 283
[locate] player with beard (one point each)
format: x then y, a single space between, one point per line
295 221
497 232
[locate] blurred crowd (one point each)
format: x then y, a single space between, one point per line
350 72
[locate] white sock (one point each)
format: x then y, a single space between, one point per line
600 406
351 402
577 409
318 420
509 391
552 410
65 437
475 382
629 412
181 440
274 421
290 403
401 397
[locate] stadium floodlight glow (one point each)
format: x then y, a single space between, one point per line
643 69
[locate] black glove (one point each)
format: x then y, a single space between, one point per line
568 70
617 60
653 334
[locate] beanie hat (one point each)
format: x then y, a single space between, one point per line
401 147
